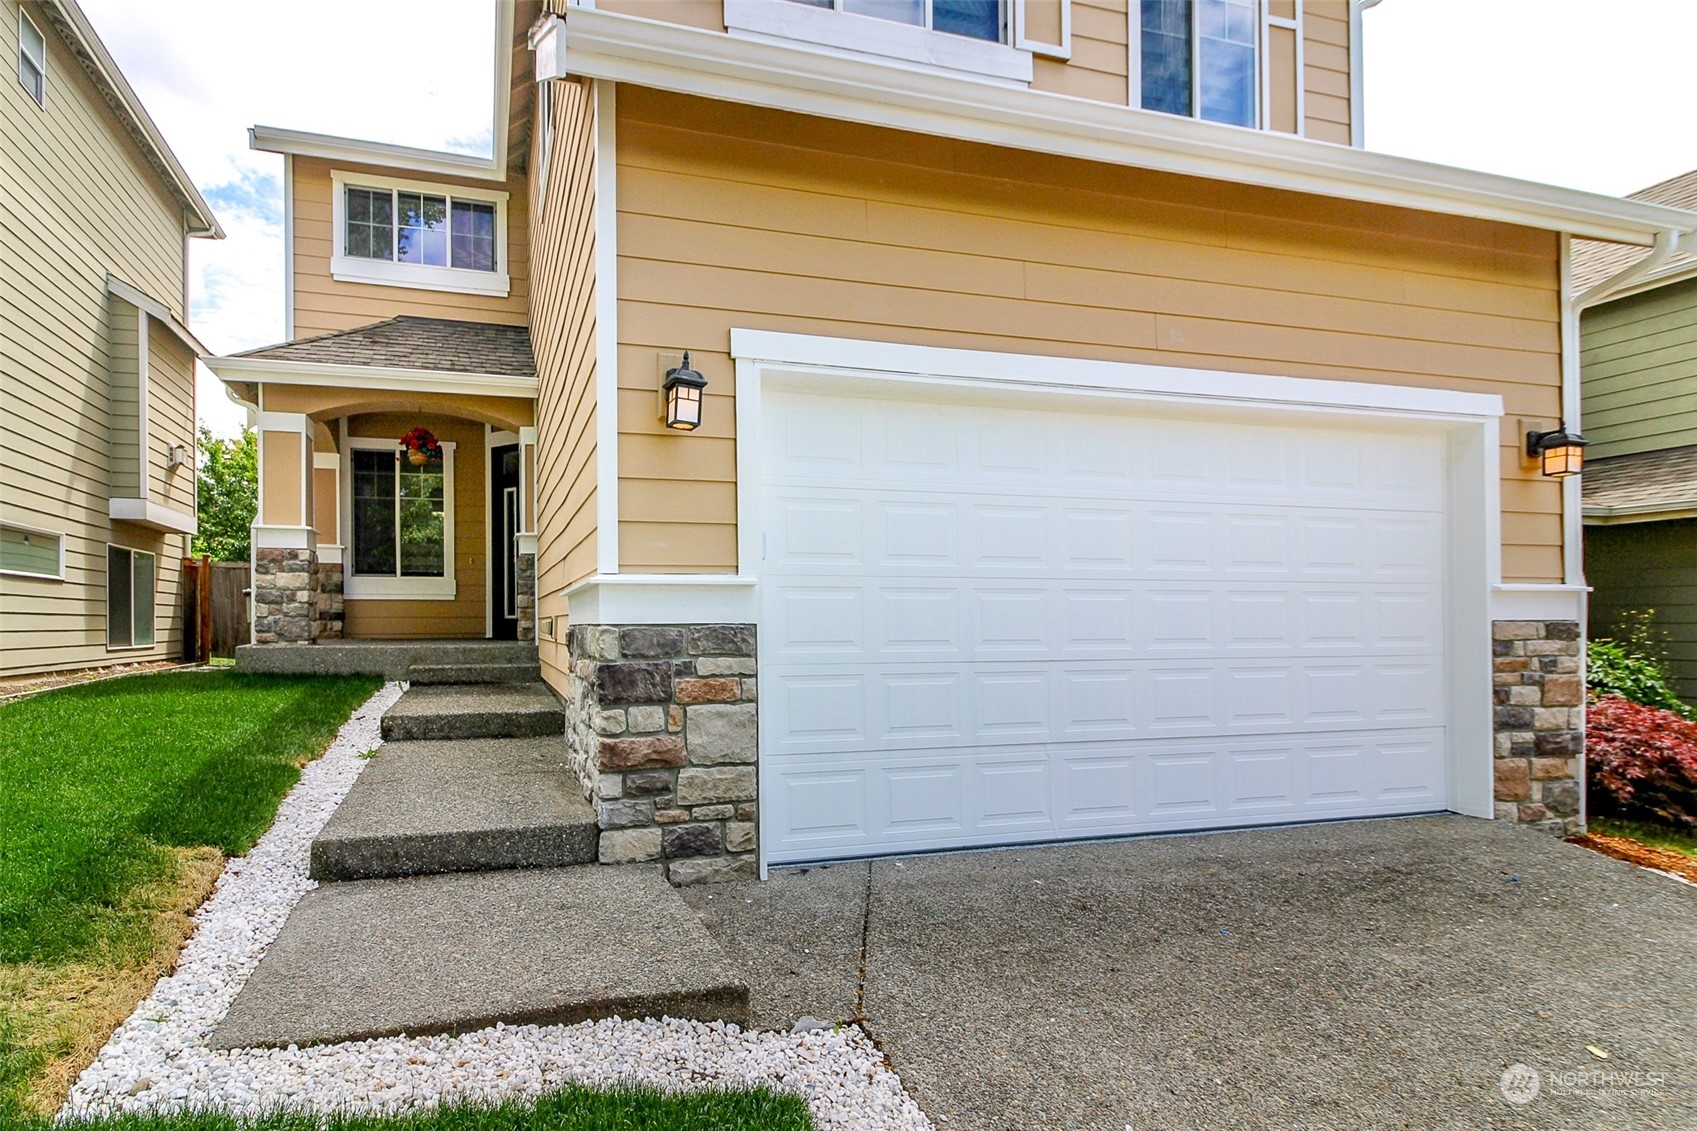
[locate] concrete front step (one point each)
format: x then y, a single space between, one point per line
451 954
391 659
473 805
522 710
431 675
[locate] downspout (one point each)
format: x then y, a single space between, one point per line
1668 242
1357 122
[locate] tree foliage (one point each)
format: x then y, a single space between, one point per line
228 479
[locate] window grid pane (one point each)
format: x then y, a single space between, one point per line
474 235
1227 49
142 597
371 218
374 512
422 231
976 19
1166 56
422 532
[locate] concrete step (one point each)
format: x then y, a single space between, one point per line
456 953
522 710
390 659
474 805
431 675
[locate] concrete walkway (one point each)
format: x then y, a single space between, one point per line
1364 975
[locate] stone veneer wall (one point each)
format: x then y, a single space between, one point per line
330 609
526 586
1540 723
285 596
662 732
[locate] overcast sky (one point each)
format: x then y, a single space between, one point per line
1547 90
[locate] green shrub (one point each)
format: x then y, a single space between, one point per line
1634 667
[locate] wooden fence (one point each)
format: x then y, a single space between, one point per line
215 608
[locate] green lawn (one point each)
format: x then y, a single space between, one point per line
117 800
574 1109
1656 836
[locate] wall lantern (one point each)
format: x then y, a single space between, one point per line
681 394
1560 453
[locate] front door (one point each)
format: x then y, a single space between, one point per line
504 548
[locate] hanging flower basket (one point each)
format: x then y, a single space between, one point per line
421 447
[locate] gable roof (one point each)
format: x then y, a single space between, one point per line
442 345
1594 262
78 34
1642 486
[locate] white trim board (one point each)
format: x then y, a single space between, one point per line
143 302
1538 602
789 76
606 329
377 377
155 515
664 598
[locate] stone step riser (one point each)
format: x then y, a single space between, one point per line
504 724
435 675
337 860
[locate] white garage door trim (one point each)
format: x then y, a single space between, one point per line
1470 424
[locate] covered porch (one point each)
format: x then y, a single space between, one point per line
396 483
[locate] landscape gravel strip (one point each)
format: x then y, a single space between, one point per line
159 1059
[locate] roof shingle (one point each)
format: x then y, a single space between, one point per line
1644 479
1594 261
409 342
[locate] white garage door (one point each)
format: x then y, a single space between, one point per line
985 624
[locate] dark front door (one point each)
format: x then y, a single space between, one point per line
504 530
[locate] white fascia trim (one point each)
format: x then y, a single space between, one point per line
858 88
154 515
299 143
284 537
1538 602
140 300
836 355
606 329
827 29
664 598
380 377
1667 511
418 276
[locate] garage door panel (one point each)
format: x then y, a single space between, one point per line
992 625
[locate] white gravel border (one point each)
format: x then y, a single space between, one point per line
158 1060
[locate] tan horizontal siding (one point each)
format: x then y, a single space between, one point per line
323 304
732 216
1326 85
1099 64
78 202
563 335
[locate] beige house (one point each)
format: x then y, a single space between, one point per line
1095 439
97 406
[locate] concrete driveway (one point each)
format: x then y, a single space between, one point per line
1366 975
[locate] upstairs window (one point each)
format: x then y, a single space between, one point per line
1197 58
972 36
415 235
32 60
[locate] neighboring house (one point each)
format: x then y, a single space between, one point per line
97 407
1639 359
1093 442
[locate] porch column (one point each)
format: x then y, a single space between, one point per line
326 516
285 546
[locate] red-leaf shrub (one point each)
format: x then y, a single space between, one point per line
1641 762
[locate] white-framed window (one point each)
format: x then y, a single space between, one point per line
399 537
415 234
32 59
1198 59
957 35
28 552
131 581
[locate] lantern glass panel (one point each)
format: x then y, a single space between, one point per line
1562 460
683 407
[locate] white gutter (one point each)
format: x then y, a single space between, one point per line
1597 514
801 78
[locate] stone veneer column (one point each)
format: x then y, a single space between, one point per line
526 585
285 596
1540 723
662 734
330 610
